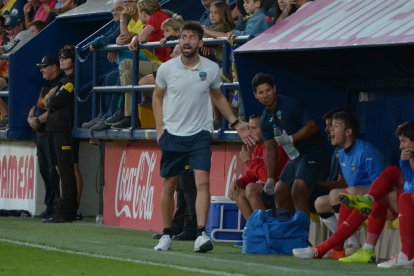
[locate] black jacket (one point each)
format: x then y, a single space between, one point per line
60 106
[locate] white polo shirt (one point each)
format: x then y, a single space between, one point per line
187 107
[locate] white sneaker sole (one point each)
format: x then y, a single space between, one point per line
208 246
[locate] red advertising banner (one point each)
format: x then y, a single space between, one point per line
133 186
17 176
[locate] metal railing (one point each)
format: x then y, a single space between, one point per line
136 90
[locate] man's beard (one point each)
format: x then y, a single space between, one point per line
189 54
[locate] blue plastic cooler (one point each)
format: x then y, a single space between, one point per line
225 222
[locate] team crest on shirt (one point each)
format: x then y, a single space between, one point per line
279 115
203 75
353 167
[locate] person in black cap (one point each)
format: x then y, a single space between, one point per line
59 124
49 67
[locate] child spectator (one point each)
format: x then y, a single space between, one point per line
221 20
255 24
171 28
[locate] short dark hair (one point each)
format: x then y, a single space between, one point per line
330 113
349 120
262 78
406 129
193 26
254 116
39 24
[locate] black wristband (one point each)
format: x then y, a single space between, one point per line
233 124
37 121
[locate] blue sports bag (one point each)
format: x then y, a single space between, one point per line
265 234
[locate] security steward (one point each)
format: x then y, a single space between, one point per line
59 124
49 67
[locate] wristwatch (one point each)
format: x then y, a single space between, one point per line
233 124
37 121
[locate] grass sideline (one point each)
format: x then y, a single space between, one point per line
84 248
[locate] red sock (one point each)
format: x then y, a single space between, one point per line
344 213
344 231
376 222
384 183
406 207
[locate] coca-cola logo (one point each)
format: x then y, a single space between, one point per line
232 173
17 177
134 195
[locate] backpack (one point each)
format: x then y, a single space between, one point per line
265 234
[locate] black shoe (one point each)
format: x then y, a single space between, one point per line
91 123
115 118
124 123
47 213
57 219
185 236
99 126
157 236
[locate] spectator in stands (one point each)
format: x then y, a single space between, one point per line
13 7
30 9
130 25
247 191
221 20
3 36
152 16
64 6
17 33
205 17
360 163
46 6
59 124
36 26
171 28
116 101
46 157
184 135
255 24
240 16
283 9
18 37
284 115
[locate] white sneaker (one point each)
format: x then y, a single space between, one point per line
394 262
203 243
304 253
164 244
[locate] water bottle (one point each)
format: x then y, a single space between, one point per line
99 219
290 149
235 101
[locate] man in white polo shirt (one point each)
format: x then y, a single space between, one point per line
186 87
